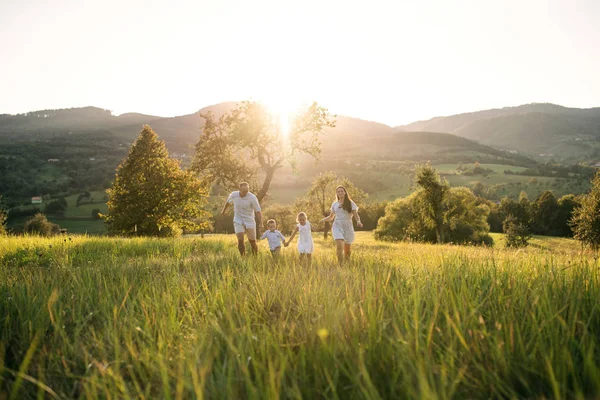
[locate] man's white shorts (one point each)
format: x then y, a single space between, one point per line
248 230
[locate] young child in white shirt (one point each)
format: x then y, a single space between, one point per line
274 237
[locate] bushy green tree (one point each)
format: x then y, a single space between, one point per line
39 225
250 141
517 233
57 206
463 220
152 195
519 209
586 218
434 193
316 203
544 214
371 213
566 208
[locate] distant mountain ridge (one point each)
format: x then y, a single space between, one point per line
351 138
542 130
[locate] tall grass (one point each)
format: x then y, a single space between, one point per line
188 318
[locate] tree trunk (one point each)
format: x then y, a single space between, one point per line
270 172
326 231
439 231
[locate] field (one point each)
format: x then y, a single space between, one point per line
92 317
389 184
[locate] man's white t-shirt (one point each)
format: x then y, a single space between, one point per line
244 208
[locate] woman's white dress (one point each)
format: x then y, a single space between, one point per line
305 240
342 228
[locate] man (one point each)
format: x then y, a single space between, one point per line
245 208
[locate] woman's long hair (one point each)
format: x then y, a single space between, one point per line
347 205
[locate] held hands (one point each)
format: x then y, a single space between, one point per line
359 224
286 244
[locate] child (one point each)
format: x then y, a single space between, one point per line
274 238
305 240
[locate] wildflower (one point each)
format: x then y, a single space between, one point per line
323 333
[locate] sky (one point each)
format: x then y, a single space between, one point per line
393 62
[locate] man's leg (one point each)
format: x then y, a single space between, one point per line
241 245
339 243
251 232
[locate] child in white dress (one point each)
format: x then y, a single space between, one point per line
305 241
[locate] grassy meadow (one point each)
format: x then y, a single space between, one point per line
93 317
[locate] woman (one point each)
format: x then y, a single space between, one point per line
342 212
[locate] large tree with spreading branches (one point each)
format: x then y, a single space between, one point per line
250 143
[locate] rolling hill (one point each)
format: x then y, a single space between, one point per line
541 130
351 138
89 143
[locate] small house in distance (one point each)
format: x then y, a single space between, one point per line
36 200
53 160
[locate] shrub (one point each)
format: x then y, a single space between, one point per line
39 225
464 221
517 233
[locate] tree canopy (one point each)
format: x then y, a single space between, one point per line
586 218
463 220
251 143
152 195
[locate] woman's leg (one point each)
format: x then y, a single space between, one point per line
347 250
340 250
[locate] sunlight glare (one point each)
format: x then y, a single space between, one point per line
283 108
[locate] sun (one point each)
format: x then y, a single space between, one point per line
284 109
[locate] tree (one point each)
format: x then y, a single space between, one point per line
586 218
434 193
520 209
544 214
566 207
317 201
517 233
372 213
57 206
3 218
96 213
151 195
464 220
284 215
249 142
478 189
39 225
